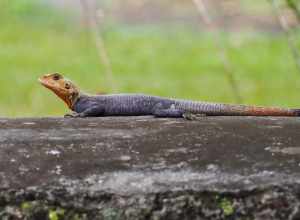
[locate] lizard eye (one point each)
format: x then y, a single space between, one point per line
67 86
56 77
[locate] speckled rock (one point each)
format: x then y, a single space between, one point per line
147 168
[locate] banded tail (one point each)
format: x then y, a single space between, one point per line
215 109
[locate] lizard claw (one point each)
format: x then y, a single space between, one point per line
192 117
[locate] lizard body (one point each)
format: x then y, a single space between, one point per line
84 105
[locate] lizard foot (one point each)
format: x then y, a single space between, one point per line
192 117
72 115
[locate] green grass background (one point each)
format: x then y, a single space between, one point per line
161 60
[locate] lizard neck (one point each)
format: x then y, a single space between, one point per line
73 101
76 99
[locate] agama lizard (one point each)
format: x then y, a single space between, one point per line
84 105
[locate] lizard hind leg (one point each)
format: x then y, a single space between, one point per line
192 116
171 112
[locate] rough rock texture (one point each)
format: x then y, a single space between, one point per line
145 168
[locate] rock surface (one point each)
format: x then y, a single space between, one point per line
146 168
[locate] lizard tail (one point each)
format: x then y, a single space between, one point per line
215 109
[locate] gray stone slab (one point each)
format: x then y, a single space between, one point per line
147 168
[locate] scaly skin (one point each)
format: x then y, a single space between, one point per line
84 105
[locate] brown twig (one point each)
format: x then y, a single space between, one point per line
90 14
203 11
284 25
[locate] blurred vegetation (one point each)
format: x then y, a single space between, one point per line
164 60
295 6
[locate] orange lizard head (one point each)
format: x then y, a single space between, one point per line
63 88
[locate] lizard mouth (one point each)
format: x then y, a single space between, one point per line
41 81
44 83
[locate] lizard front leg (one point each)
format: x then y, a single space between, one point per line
72 115
94 111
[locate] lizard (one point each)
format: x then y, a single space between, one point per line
85 105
